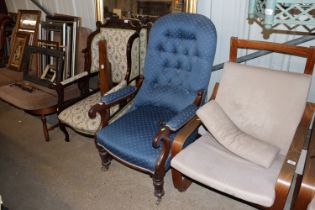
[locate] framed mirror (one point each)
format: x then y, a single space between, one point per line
135 8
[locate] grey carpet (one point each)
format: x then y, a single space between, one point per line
55 175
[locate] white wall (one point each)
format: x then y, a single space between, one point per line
229 17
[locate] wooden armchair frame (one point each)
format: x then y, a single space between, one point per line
306 181
104 73
286 174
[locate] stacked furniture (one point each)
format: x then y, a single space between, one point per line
33 94
257 123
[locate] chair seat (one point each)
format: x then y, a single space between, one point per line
209 163
76 116
130 137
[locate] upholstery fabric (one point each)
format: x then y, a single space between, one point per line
143 47
130 137
77 116
117 40
233 139
121 93
311 206
264 103
135 56
182 117
220 169
177 65
178 62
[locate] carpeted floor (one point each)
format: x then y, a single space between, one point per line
55 175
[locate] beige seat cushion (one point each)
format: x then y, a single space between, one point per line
76 116
232 138
209 163
264 103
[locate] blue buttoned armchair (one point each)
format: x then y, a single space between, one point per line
177 70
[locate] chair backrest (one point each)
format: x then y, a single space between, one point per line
267 104
178 61
121 39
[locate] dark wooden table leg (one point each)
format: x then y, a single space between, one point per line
43 118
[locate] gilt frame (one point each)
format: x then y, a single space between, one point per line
189 6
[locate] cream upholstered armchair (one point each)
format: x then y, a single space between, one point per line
117 60
257 124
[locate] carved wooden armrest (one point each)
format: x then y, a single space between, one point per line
103 108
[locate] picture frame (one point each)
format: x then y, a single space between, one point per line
28 20
20 41
49 73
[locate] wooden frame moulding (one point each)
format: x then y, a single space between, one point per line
20 41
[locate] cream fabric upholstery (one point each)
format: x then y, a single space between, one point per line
117 40
311 206
209 163
143 47
266 104
232 138
77 116
135 71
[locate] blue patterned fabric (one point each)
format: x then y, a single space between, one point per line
119 94
130 137
178 62
182 117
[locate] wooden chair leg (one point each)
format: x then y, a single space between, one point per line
64 130
158 183
45 129
180 182
105 157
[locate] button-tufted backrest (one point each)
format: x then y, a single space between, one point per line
117 43
178 62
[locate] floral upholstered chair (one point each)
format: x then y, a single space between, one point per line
177 70
116 61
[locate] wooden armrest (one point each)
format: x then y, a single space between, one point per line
183 134
286 174
306 190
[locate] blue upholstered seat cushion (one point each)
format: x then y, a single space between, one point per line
130 137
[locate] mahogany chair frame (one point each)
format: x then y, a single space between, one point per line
286 174
104 73
162 138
